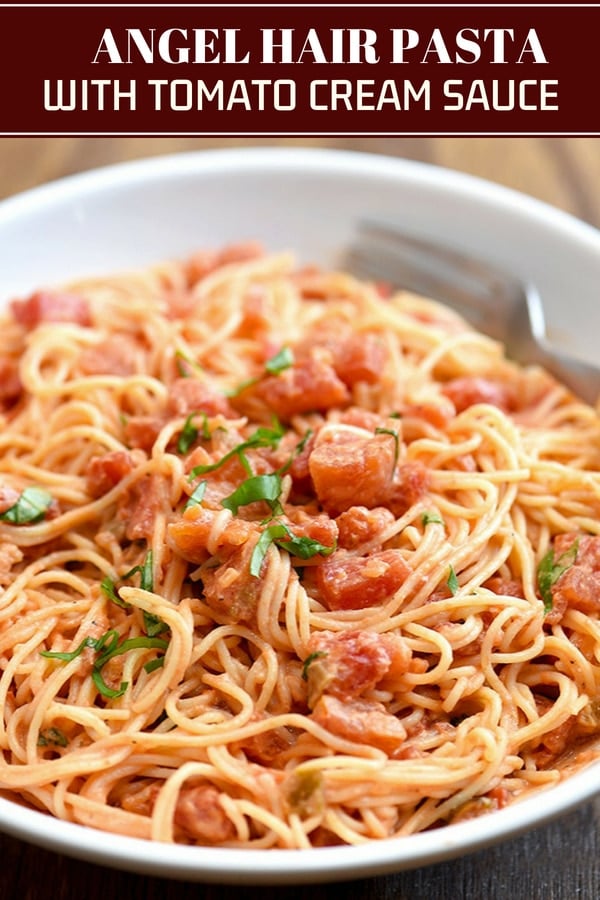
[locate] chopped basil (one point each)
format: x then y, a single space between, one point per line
280 362
393 434
154 625
115 648
154 664
73 654
32 505
108 586
104 689
190 432
106 647
258 487
452 582
279 534
262 545
296 451
310 659
549 571
197 495
52 736
431 518
188 436
262 437
146 576
184 364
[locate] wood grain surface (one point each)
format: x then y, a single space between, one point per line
559 861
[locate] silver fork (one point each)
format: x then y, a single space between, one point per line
493 301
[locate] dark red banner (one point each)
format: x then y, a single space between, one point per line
299 69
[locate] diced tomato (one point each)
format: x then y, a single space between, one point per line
362 418
188 395
352 582
142 431
46 306
230 588
104 472
504 586
469 390
358 471
141 508
351 662
316 526
579 586
191 534
310 385
361 721
437 414
201 817
115 356
360 357
267 747
359 525
409 487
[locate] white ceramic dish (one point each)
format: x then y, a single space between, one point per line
306 200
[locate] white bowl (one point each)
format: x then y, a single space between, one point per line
309 201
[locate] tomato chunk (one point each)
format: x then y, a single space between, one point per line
200 816
351 582
46 306
579 585
188 395
348 663
310 385
362 721
471 389
103 472
355 472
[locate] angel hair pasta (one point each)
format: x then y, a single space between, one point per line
286 560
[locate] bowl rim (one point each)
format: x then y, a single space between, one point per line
305 159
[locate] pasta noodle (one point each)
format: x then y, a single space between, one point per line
286 560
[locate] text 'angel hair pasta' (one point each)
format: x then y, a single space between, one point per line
286 560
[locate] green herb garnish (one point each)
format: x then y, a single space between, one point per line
278 363
181 361
550 569
431 518
280 534
152 623
52 736
188 436
190 432
197 495
393 434
452 582
73 654
258 487
310 659
107 646
32 505
262 437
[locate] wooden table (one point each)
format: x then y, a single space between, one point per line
557 862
